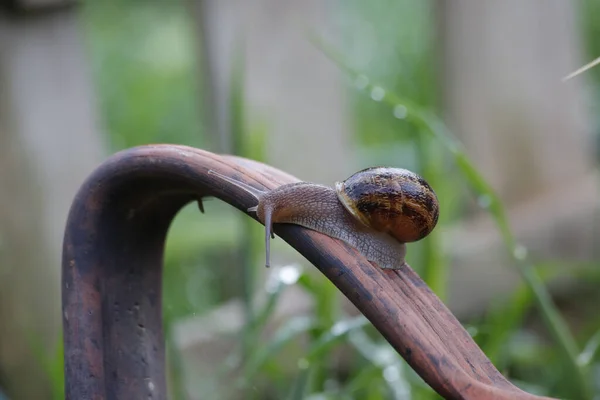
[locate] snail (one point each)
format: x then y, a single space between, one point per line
376 210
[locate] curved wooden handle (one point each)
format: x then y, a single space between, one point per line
112 265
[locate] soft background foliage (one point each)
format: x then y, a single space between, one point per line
149 86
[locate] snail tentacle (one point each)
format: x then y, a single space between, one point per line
376 211
257 193
268 214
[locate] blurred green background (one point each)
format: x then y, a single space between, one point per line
235 330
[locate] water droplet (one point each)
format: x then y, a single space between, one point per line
473 331
385 356
377 93
303 363
272 283
289 274
285 275
391 373
484 201
361 82
339 328
400 111
520 252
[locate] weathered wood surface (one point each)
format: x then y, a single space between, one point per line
112 262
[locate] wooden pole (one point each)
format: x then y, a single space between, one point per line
112 262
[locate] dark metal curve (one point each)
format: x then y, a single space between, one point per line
112 265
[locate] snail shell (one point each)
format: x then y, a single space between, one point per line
376 211
391 200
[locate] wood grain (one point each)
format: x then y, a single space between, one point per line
112 264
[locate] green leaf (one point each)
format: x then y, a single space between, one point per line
590 350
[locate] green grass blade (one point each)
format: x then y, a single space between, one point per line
436 128
53 364
590 350
365 376
434 267
387 361
301 385
334 336
291 329
502 320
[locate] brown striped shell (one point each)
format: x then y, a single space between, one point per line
392 200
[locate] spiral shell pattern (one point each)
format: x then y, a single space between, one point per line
391 200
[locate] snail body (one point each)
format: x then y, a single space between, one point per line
376 211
